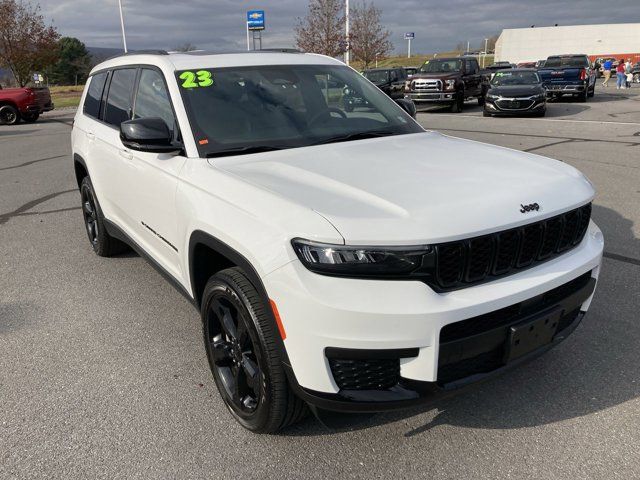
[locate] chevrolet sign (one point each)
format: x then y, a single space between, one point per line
255 19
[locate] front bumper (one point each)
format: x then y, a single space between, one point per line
323 314
524 107
432 97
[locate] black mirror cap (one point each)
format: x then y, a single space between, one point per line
150 134
408 106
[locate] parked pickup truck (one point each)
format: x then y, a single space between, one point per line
568 75
23 103
447 81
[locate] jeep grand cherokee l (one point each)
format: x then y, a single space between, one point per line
349 261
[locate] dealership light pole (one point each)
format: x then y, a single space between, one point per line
484 59
124 38
346 31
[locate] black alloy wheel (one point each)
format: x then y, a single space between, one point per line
9 115
242 347
235 357
90 214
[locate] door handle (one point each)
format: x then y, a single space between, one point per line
125 154
90 135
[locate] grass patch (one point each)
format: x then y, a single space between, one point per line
414 61
66 96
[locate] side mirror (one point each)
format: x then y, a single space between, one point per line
408 106
149 134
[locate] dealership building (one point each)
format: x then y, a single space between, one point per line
620 40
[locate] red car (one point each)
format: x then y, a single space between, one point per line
527 65
23 103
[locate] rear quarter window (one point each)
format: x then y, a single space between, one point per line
91 105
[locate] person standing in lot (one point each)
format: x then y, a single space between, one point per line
627 72
607 71
621 79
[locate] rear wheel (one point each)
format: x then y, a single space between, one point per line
9 115
102 243
485 113
240 339
30 117
582 97
592 91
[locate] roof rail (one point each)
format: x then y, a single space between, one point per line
281 50
140 52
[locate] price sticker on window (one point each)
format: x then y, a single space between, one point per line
197 79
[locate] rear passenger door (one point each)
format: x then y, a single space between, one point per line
472 78
111 171
154 176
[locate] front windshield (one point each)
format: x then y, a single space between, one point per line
441 66
514 78
258 108
377 76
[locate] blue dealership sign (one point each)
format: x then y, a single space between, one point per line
255 19
409 35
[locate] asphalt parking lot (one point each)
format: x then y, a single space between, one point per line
103 372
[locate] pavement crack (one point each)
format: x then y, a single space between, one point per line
31 162
5 217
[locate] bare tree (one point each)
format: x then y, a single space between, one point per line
460 47
26 43
322 29
369 39
185 47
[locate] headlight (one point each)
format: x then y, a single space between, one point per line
491 96
343 260
449 84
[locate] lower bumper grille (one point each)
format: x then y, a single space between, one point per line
478 345
372 374
514 104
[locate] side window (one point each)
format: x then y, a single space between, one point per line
118 107
152 99
94 94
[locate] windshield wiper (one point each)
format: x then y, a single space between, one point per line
356 136
245 150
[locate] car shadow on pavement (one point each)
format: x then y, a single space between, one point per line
596 368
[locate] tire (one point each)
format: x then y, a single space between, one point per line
9 115
30 117
582 97
241 344
348 107
592 92
102 243
485 113
481 98
458 104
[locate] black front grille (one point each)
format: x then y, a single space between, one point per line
514 104
372 374
475 260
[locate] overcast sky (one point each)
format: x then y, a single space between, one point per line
220 24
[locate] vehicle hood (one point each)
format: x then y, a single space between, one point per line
517 90
415 188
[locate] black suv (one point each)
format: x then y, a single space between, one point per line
390 80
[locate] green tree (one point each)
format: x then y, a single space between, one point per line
74 62
27 44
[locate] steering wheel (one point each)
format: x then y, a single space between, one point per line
317 116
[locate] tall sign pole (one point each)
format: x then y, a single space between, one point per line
346 31
408 37
124 38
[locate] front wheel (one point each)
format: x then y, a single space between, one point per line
240 339
9 115
458 104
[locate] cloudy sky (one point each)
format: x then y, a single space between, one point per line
219 24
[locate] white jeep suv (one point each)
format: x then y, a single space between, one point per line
345 260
